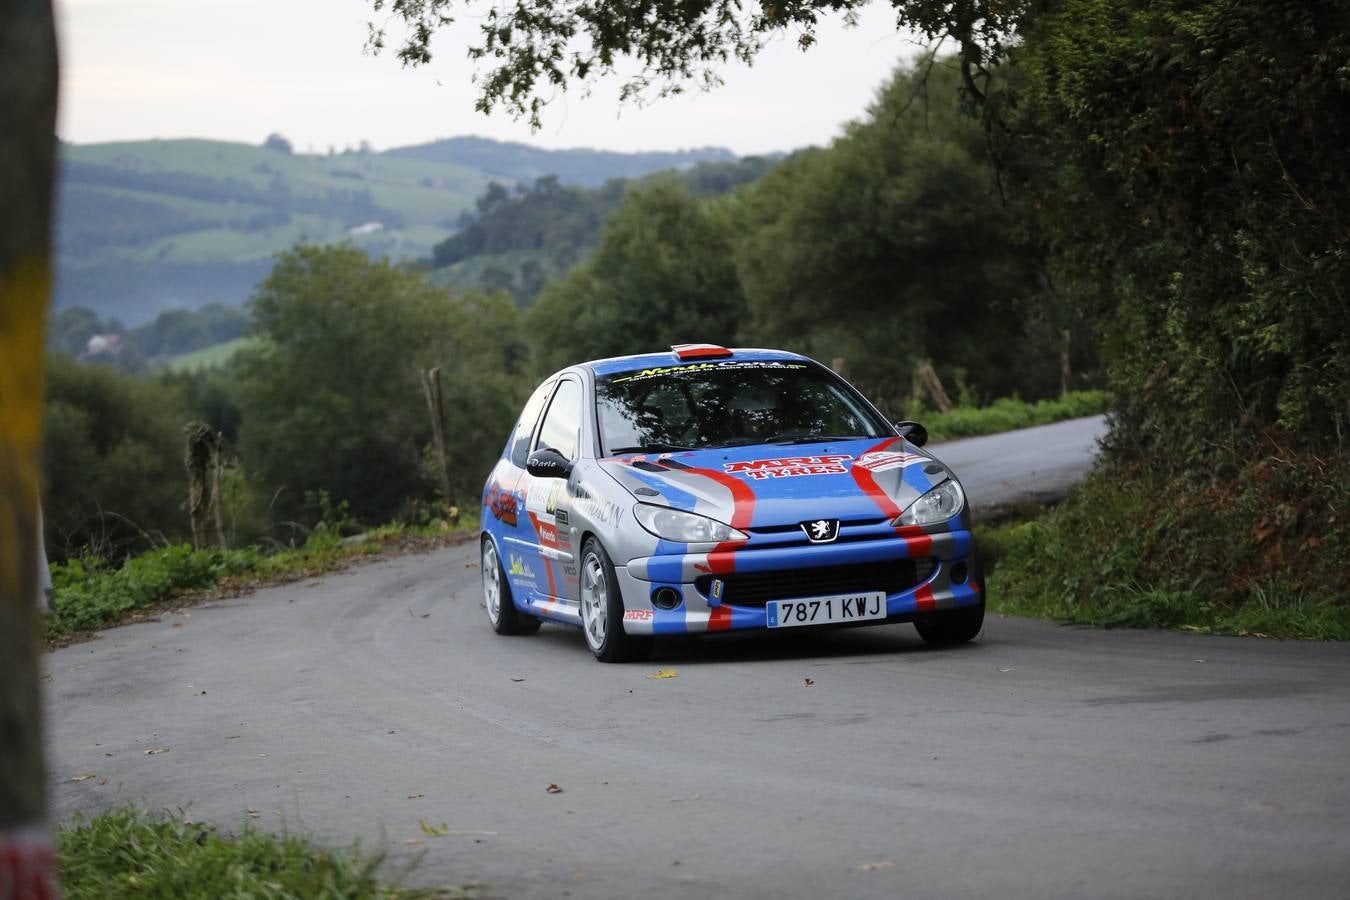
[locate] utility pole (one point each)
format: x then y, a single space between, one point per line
27 173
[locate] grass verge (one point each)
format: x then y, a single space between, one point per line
131 853
1010 413
1259 553
92 595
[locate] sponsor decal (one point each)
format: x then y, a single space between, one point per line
570 571
660 371
504 504
548 535
537 500
789 466
561 516
639 615
551 506
821 531
605 513
882 460
519 566
718 586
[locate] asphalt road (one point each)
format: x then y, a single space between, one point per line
1038 762
1033 464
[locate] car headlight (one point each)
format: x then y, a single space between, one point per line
938 505
686 528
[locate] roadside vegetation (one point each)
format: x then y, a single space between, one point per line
126 852
93 592
1007 414
1263 554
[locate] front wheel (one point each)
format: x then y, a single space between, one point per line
602 610
956 626
501 610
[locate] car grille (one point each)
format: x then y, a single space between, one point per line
758 588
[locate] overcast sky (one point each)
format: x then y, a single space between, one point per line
240 69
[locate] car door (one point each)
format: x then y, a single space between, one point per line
547 505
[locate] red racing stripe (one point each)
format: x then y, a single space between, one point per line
722 558
923 599
869 484
548 536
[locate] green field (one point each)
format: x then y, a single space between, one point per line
208 357
144 226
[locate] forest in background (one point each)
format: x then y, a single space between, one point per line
1157 191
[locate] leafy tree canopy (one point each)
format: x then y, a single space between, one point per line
533 47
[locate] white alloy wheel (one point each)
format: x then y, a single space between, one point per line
594 601
492 582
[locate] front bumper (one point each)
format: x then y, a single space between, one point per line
946 583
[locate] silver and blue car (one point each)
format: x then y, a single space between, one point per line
707 490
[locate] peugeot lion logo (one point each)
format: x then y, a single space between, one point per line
821 531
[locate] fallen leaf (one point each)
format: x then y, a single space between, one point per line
874 867
553 789
432 829
103 781
1200 660
684 799
416 796
415 841
252 813
157 750
83 776
517 679
662 673
807 682
1003 668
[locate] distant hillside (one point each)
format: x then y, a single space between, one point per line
587 168
151 225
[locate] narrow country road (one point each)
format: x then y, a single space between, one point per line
1038 762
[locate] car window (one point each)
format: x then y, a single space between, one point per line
742 402
520 439
562 422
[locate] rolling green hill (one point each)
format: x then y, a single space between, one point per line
150 225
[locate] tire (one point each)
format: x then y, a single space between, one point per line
957 626
602 610
501 609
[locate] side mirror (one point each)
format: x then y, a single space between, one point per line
548 463
913 432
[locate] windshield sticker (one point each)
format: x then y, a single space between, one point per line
659 371
790 466
884 460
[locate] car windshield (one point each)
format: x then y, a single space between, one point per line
729 403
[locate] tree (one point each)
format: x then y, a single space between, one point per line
27 169
662 274
331 395
278 142
535 46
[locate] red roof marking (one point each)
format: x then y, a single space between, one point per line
699 351
923 599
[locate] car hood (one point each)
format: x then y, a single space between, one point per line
770 485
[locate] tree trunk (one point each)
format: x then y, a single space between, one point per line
27 164
197 461
218 463
431 387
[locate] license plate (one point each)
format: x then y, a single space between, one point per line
823 610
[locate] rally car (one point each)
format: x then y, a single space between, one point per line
707 490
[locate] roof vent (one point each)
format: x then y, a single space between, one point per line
699 351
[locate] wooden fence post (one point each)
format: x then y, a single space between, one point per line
431 388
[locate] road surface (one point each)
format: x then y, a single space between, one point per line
1033 464
1039 762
